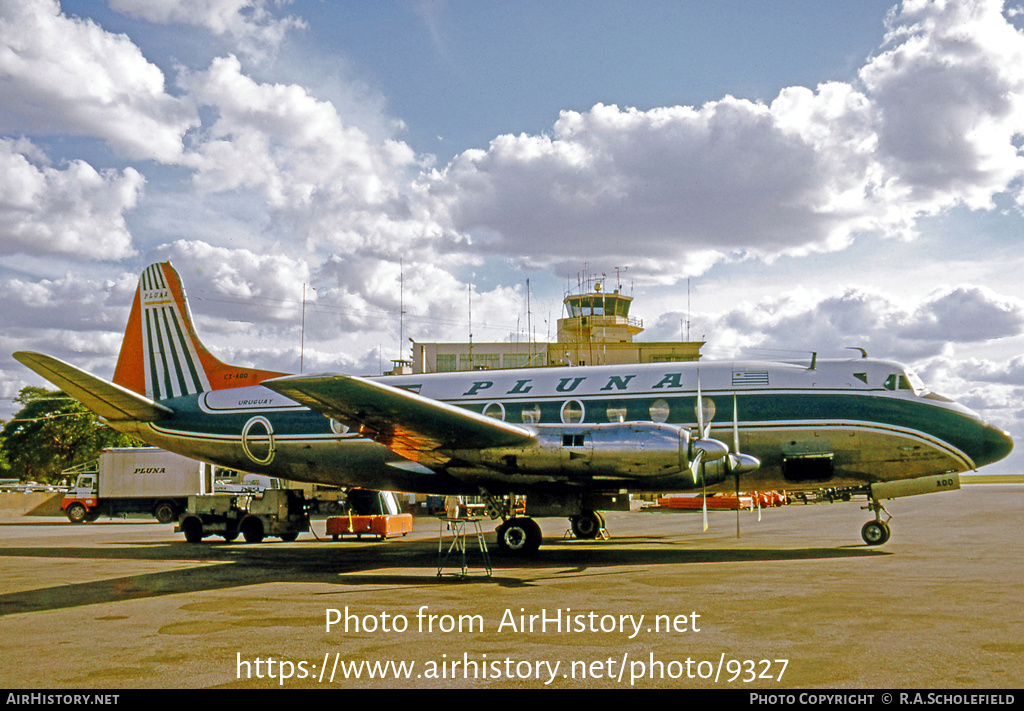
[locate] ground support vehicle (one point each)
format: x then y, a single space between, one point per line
134 480
278 513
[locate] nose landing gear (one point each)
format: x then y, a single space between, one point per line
876 532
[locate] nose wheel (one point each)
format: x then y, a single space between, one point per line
876 532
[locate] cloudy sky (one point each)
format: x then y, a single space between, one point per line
806 176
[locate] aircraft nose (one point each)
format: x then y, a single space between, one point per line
995 445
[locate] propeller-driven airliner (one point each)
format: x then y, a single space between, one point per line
574 441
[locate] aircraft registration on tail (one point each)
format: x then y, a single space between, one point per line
573 441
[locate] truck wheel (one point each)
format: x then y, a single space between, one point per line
76 513
252 530
192 527
290 536
165 512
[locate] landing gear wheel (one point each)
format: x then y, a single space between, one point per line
587 525
875 533
519 535
76 513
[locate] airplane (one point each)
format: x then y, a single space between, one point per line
574 441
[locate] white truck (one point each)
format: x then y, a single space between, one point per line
135 480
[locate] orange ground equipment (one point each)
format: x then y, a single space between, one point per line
379 526
723 502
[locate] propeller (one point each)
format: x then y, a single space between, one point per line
705 450
739 463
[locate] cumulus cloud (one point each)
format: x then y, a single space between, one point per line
98 84
913 332
966 315
323 181
933 123
250 23
260 309
74 211
949 91
77 309
238 284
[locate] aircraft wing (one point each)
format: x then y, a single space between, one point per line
416 427
108 400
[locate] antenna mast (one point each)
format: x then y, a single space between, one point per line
528 322
401 307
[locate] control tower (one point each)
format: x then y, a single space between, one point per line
598 317
596 330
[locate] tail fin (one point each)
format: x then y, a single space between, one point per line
162 356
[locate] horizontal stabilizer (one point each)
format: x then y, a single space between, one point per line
416 427
108 400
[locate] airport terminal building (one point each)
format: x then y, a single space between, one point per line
597 330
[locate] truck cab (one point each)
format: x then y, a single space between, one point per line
80 503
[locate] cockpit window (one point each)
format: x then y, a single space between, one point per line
916 383
908 380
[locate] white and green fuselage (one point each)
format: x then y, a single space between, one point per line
842 423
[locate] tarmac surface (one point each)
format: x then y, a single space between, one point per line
797 602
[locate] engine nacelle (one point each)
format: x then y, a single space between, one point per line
618 449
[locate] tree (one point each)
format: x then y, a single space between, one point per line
51 433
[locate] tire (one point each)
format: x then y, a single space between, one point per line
165 512
77 513
587 525
875 533
519 536
290 536
192 527
252 530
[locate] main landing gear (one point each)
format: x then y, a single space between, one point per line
520 534
517 534
588 525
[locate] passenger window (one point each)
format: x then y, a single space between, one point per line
572 412
531 415
659 410
616 412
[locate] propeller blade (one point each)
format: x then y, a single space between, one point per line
695 464
704 500
735 426
700 410
737 505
